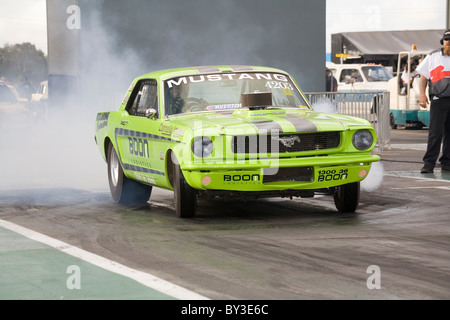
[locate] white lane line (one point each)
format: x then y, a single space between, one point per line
399 174
435 187
410 146
146 279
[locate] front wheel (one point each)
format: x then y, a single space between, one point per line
185 197
346 197
124 190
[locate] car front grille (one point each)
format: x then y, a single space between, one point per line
286 143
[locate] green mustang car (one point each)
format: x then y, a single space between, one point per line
230 131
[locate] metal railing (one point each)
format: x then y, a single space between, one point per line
372 106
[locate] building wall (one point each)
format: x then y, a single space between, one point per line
382 46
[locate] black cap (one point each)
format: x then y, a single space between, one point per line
445 36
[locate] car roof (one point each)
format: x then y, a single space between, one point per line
178 72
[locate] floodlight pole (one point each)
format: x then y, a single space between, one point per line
447 15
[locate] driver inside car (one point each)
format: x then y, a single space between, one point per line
176 102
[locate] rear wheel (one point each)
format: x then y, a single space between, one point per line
346 197
185 197
124 190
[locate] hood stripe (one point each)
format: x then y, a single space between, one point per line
290 123
206 69
267 125
301 124
238 68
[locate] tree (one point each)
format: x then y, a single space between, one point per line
23 62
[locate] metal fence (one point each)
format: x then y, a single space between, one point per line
372 106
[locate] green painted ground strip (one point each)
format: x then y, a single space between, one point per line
30 270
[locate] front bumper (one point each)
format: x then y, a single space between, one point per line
308 173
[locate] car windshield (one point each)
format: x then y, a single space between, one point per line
376 73
223 91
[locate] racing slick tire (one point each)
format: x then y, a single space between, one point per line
124 190
346 197
185 197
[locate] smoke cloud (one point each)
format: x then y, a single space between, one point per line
52 152
120 40
374 179
56 148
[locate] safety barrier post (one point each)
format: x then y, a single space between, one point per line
372 106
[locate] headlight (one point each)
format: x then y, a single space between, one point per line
362 139
202 147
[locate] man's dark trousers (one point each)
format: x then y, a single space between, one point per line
438 131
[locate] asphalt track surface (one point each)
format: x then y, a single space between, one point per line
75 243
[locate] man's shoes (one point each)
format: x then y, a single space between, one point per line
445 168
428 168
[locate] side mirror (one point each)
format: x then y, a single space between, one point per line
150 113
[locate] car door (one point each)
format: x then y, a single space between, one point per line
137 137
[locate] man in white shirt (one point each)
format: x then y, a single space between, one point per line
409 78
435 72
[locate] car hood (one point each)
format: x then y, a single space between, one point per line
244 122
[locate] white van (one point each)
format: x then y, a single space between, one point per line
360 77
42 94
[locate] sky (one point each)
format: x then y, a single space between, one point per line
383 15
25 20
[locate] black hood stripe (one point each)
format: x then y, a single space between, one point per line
206 69
267 125
301 124
239 68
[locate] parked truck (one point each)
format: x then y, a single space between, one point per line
368 77
405 109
